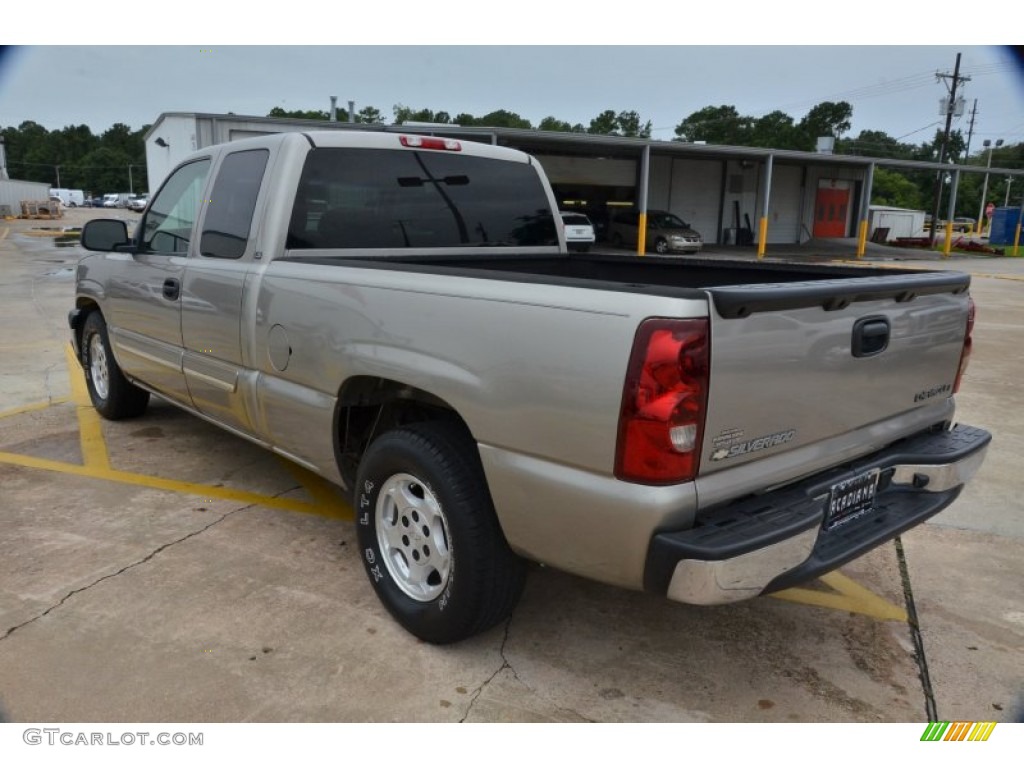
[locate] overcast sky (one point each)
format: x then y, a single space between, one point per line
892 88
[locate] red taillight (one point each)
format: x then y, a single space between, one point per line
661 425
965 355
430 142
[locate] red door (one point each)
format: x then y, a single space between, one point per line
830 212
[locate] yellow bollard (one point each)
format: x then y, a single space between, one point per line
762 239
862 239
946 246
641 235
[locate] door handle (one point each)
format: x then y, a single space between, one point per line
870 336
172 288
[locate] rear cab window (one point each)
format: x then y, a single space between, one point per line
232 203
380 198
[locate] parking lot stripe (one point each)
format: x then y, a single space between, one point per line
848 596
90 430
33 407
163 484
328 497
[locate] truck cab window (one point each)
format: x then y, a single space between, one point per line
167 227
374 198
232 204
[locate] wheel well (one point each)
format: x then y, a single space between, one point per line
369 406
85 308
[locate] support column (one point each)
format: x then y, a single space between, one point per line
948 245
762 234
645 174
865 213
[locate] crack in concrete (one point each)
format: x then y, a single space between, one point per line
914 624
506 664
126 568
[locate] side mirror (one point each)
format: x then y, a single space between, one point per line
104 235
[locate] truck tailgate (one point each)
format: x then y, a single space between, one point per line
797 363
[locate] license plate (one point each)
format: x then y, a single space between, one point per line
851 498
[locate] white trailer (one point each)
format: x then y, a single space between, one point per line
71 198
901 222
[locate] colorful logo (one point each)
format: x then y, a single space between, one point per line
958 731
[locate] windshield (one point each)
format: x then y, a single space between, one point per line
667 221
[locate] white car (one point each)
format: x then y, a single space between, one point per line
579 231
138 203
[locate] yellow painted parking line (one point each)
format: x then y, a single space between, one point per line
848 596
327 500
33 407
90 430
3 235
327 496
163 484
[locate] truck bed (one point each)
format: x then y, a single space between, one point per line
738 288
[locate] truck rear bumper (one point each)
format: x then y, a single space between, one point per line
778 539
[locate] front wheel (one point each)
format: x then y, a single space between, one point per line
110 391
661 245
430 540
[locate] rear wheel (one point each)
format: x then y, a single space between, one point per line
430 540
111 393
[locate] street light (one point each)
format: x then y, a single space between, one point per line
984 186
1009 181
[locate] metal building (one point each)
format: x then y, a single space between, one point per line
728 194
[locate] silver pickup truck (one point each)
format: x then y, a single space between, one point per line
399 314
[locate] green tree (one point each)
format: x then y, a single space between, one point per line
306 114
552 123
891 187
875 144
369 115
829 118
717 125
628 124
502 118
775 130
106 170
605 123
404 114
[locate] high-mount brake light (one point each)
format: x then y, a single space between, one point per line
965 354
664 402
430 142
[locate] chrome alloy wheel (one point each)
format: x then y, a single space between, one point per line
412 533
98 371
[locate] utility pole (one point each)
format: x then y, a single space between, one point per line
950 108
970 131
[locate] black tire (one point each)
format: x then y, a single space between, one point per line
463 578
661 245
111 393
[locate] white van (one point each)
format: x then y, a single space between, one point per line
71 198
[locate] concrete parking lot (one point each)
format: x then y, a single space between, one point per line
162 570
